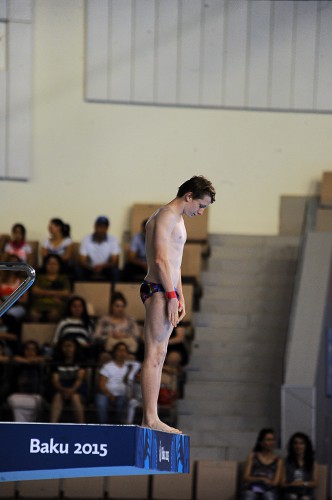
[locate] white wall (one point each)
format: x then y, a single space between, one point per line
90 159
221 53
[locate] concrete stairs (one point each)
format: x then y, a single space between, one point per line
236 366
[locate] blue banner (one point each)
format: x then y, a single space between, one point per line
40 451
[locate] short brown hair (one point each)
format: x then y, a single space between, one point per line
199 186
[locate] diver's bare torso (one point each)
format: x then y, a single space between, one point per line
174 244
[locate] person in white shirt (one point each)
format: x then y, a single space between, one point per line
115 382
99 254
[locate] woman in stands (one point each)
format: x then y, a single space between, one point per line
68 380
11 321
28 377
117 326
262 470
76 324
17 245
59 242
299 476
50 292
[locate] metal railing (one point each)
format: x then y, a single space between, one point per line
24 286
308 225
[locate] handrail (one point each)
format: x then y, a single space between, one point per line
17 266
308 225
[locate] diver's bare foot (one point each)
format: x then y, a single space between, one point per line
158 425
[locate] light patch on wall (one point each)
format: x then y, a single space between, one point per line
2 46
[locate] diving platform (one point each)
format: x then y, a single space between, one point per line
50 451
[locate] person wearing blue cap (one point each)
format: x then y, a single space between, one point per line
99 254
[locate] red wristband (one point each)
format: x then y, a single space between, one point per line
171 295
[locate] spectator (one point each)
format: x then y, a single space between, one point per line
50 292
177 346
4 238
134 396
262 470
18 246
116 326
59 242
76 324
68 380
168 393
176 359
99 254
11 321
136 266
26 399
114 385
299 475
4 372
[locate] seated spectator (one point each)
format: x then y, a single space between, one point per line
4 238
68 380
4 372
262 470
99 254
50 292
26 398
176 346
134 396
300 475
168 393
11 321
17 245
135 268
76 324
177 356
115 379
116 326
59 243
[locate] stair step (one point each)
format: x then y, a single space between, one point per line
243 240
218 453
250 278
242 335
255 266
222 348
244 439
224 375
246 305
223 320
209 452
216 423
227 391
262 320
266 253
250 293
268 408
234 364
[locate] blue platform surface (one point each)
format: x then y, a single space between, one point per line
49 451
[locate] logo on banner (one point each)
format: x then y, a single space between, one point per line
163 454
